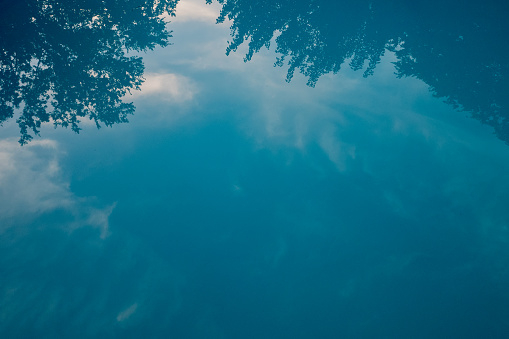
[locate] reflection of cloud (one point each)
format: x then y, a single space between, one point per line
48 286
29 179
31 184
198 42
95 217
164 99
337 151
125 314
194 10
168 87
349 117
237 189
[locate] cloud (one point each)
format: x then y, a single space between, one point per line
164 100
349 117
194 10
48 287
198 42
32 184
125 314
92 216
337 151
167 87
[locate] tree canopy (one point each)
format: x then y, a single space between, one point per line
62 61
457 49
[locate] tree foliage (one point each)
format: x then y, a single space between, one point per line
459 50
63 61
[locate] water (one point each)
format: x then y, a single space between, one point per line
225 202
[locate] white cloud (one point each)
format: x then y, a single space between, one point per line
197 41
32 183
196 10
167 87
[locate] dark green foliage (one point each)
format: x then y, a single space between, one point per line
63 61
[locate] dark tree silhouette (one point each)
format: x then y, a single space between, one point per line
461 53
458 49
62 61
315 37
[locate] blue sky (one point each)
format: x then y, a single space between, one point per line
235 205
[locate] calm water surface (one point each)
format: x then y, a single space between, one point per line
356 189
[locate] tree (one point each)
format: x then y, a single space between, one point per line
457 49
63 61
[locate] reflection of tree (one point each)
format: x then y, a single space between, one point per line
457 49
315 37
62 61
463 58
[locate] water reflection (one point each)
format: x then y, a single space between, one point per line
62 61
455 49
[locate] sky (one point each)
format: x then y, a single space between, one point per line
236 205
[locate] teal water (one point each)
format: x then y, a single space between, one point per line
356 189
